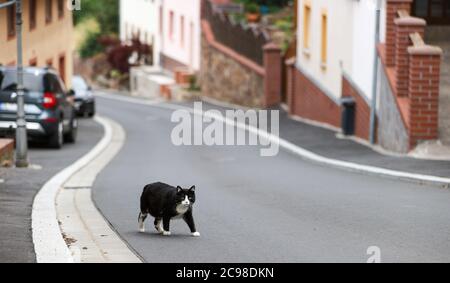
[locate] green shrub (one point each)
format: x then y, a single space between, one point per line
252 8
91 45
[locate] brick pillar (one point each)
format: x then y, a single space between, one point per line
392 7
290 89
404 27
424 75
272 80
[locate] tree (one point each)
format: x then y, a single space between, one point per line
106 12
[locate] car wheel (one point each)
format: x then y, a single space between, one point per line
57 139
72 135
92 113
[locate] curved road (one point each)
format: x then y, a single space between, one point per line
264 209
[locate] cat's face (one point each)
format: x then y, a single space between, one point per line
185 197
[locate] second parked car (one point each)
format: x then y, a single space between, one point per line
84 99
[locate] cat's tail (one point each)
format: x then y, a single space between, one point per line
143 201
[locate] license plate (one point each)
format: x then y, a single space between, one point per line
12 107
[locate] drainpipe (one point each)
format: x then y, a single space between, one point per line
373 107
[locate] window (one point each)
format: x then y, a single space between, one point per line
306 27
48 11
60 9
161 20
324 46
11 21
62 67
171 19
182 30
32 15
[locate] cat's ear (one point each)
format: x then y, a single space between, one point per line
179 189
192 189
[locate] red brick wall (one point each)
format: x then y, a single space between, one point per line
272 79
309 101
424 76
405 27
393 6
362 110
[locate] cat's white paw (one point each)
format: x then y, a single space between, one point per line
141 230
196 234
166 233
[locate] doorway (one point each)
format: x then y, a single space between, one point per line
435 12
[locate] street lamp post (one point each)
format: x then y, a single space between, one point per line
21 129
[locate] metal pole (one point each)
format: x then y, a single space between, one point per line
373 110
21 131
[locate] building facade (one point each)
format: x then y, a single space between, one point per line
336 57
47 36
180 43
141 18
172 27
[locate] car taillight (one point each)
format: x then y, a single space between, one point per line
49 100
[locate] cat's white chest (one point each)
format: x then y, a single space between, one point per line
181 210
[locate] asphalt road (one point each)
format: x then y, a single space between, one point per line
264 209
21 185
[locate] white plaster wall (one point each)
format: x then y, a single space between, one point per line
364 18
142 15
189 52
351 42
340 48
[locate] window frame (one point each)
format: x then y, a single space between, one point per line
11 31
171 24
60 9
48 11
182 34
307 13
32 14
324 39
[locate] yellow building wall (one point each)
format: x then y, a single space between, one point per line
44 43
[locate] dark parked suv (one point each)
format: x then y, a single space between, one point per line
49 109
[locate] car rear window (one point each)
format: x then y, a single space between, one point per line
79 84
32 82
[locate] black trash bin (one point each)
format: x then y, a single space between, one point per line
348 116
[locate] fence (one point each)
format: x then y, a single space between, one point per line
246 40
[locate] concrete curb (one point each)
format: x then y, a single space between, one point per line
49 244
301 152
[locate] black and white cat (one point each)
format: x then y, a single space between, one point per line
165 203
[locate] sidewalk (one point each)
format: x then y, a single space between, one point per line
21 185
